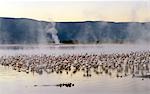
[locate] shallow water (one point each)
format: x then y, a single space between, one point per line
13 82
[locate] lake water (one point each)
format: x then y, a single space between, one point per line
13 82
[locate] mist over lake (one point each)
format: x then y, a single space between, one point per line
70 47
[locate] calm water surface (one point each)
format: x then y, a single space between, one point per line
12 82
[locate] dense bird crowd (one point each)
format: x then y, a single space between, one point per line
120 65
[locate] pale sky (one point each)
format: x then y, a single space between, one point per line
79 10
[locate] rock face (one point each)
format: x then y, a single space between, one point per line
29 31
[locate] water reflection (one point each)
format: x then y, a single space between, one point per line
57 85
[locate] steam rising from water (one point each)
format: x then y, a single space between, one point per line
31 32
3 35
27 31
139 33
41 35
53 31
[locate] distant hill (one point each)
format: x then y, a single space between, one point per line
29 31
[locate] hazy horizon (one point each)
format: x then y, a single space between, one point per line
77 11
